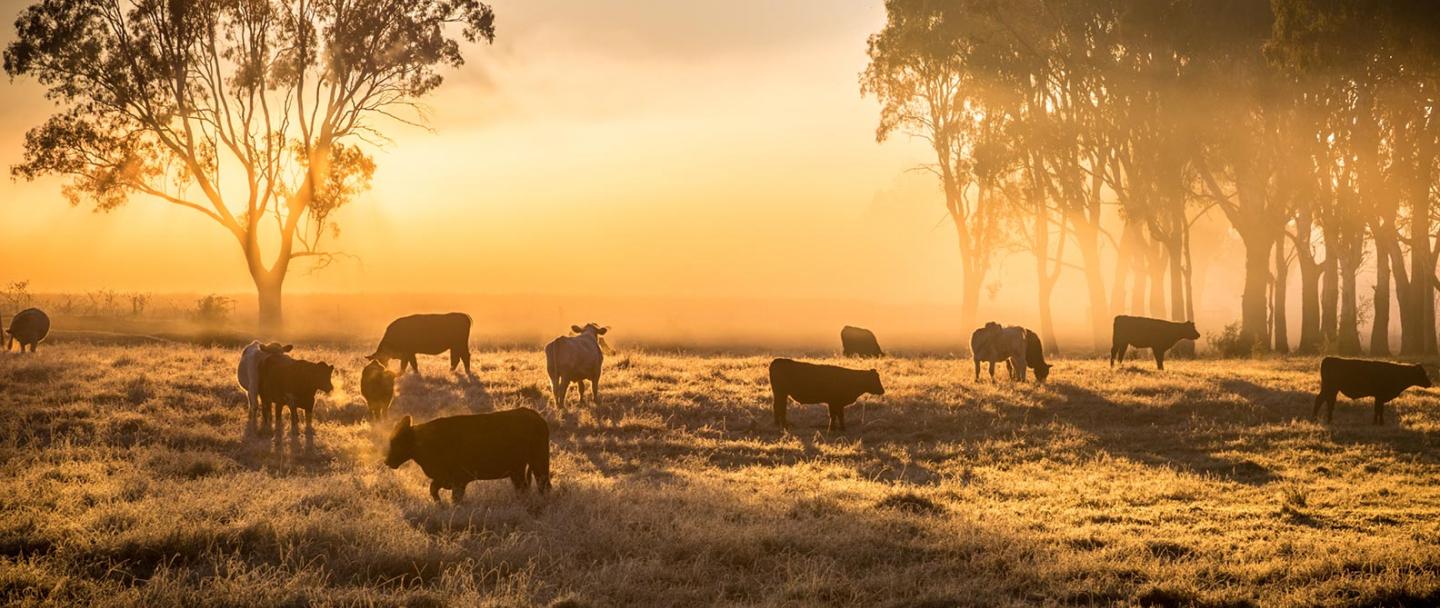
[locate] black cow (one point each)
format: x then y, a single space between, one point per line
429 334
293 382
1144 332
1035 356
28 327
808 383
1359 378
859 342
457 450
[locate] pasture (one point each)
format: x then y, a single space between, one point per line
126 478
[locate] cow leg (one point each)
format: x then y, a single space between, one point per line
992 371
837 418
252 407
465 358
977 369
520 480
457 492
781 399
279 421
1124 349
1319 401
1379 411
310 421
414 364
1159 359
435 489
454 359
294 421
580 386
595 389
558 387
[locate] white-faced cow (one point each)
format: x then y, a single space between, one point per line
248 373
808 383
1144 332
575 359
994 344
28 327
429 334
1359 378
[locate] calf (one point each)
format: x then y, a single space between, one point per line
248 373
377 385
293 382
430 334
859 342
576 359
808 383
1359 378
456 450
1144 332
994 343
28 327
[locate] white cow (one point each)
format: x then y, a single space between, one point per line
249 371
576 359
994 343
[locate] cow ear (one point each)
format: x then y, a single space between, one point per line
287 348
575 328
403 425
602 330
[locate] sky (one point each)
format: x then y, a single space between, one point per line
642 147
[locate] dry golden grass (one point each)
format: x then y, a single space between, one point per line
127 479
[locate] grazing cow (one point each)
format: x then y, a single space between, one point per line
28 327
377 385
575 359
248 373
994 343
429 334
1035 356
859 342
457 450
1144 332
293 382
808 383
1359 378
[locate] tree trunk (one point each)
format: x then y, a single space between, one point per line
1157 265
1348 331
1330 295
1183 348
1380 328
1088 238
1279 321
269 290
1253 302
970 297
1310 271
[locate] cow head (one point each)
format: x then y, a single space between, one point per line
1421 378
276 348
874 387
1042 371
1190 332
325 374
590 328
381 356
402 444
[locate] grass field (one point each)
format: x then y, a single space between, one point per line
127 478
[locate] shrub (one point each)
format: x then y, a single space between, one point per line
1230 343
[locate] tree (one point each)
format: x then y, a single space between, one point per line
921 70
263 106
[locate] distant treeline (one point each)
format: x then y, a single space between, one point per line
1311 126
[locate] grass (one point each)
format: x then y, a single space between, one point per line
126 478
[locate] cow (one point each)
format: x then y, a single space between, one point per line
377 385
429 334
248 373
1144 332
808 383
859 342
457 450
28 327
994 343
1035 356
576 359
293 382
1359 378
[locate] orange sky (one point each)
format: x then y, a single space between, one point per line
639 147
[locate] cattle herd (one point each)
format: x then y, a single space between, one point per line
515 444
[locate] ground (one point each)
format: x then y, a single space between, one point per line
127 477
